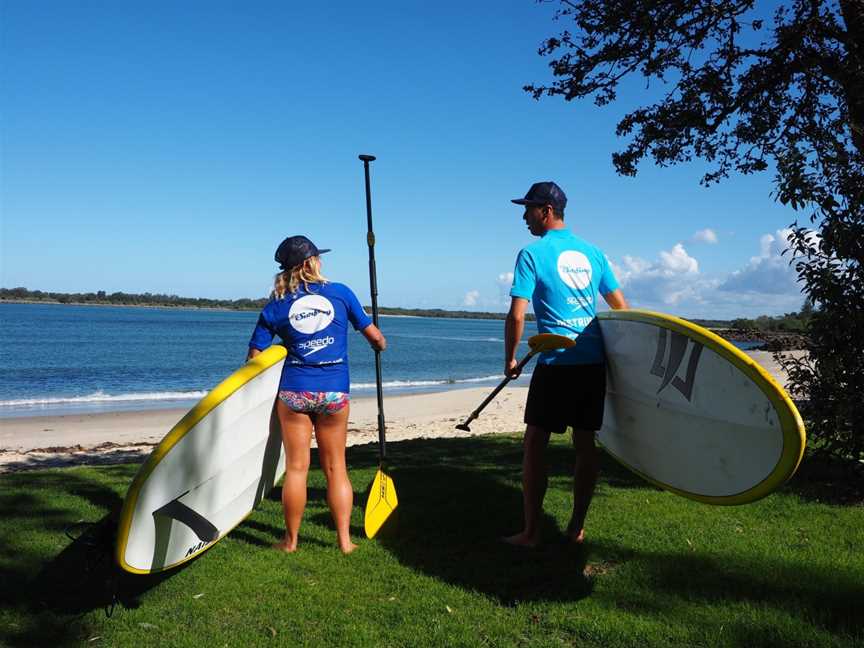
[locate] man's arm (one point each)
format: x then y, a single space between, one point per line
514 324
616 299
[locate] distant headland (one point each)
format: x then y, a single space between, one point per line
763 328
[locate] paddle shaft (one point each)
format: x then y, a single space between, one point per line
373 287
501 386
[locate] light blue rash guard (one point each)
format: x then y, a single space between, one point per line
563 276
313 326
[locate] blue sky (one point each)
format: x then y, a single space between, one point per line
168 147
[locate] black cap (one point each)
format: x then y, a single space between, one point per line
544 193
294 250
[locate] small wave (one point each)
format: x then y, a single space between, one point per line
446 338
102 397
99 397
431 383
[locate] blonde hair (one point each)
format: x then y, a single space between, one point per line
288 281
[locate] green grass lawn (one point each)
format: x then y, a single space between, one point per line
656 569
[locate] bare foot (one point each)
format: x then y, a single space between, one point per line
286 546
347 548
521 540
577 538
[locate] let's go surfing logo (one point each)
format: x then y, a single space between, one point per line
574 268
310 314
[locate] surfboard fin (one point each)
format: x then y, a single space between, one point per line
201 526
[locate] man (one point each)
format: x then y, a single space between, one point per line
562 275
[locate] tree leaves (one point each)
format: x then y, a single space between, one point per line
793 100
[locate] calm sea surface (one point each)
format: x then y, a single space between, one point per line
60 359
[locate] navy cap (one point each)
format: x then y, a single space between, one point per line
544 193
294 250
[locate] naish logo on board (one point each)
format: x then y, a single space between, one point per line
310 314
574 268
666 366
196 548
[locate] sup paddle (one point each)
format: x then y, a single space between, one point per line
537 344
382 494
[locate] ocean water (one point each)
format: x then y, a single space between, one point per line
59 359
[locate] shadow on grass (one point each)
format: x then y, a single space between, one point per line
458 495
58 591
457 498
826 479
679 580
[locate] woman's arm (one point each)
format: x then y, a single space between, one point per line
376 339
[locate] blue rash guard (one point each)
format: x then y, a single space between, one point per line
563 276
313 326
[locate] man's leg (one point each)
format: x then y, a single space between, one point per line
534 480
586 469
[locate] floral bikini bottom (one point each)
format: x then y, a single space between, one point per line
309 402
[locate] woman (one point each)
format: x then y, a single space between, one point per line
311 315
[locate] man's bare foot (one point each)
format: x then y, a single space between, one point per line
577 538
347 548
287 547
522 540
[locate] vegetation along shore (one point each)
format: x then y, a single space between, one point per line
780 333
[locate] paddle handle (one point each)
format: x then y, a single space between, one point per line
373 289
501 386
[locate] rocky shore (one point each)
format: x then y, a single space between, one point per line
769 340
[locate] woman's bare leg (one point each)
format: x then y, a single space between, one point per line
296 437
331 431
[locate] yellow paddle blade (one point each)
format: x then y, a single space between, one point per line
381 503
549 341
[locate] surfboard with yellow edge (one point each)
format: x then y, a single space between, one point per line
693 414
208 473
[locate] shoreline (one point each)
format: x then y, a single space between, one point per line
124 437
256 309
129 436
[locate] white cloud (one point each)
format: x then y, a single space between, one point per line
673 284
664 283
471 298
769 273
488 299
504 282
705 236
671 264
677 261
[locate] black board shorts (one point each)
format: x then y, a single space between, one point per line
563 396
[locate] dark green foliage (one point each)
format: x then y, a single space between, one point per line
745 97
168 301
789 323
128 299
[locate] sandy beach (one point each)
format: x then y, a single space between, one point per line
118 437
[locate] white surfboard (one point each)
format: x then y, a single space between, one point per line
692 414
208 473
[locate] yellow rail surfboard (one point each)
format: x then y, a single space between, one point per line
693 414
208 473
